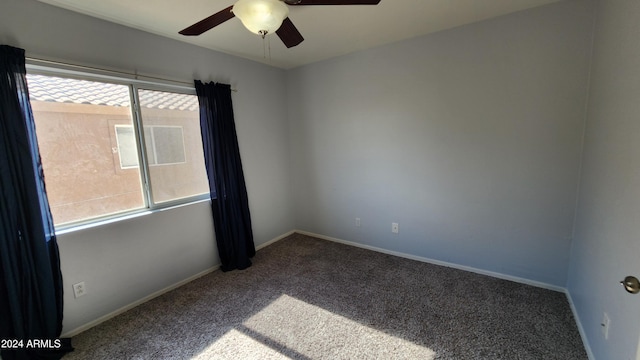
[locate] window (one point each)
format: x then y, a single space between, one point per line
173 145
165 145
127 149
89 137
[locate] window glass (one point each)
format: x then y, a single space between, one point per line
173 145
88 149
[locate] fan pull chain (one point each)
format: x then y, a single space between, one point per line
263 33
266 43
264 50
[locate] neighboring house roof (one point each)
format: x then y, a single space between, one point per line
64 90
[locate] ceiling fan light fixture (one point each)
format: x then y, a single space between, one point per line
261 16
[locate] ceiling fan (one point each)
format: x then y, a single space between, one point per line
264 17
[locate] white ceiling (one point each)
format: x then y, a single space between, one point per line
329 31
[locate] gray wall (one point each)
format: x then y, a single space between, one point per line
470 139
125 261
606 246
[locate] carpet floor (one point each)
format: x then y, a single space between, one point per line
306 298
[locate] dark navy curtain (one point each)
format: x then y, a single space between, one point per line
30 278
229 201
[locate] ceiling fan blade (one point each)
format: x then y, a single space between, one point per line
209 23
332 2
289 34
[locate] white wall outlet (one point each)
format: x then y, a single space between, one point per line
79 289
606 323
357 222
395 228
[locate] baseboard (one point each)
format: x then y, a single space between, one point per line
117 312
583 334
440 262
276 239
132 305
125 308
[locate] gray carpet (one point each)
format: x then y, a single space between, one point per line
306 298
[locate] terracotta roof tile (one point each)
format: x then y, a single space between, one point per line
65 90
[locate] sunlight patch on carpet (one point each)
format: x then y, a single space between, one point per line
303 330
236 345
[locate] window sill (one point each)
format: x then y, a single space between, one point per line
66 229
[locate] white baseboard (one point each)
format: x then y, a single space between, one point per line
583 334
276 239
441 263
130 306
125 308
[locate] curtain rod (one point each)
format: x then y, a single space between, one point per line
117 72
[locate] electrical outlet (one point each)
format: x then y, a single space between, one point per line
79 289
606 323
395 228
357 222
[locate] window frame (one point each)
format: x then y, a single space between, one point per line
35 67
